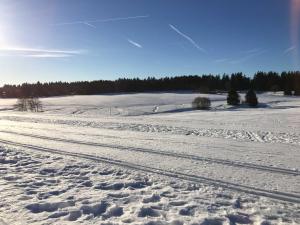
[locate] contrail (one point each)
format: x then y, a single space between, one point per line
134 43
248 56
290 49
221 60
88 22
251 51
187 38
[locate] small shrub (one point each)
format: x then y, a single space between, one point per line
233 98
201 103
251 98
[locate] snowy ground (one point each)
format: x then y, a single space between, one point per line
150 159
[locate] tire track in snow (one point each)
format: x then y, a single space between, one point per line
164 153
255 136
276 195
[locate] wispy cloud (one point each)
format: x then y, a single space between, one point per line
135 43
90 22
39 52
188 38
290 49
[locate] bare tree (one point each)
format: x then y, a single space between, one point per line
21 105
26 104
35 105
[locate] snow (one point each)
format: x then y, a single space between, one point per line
150 159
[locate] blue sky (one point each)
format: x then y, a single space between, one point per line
49 40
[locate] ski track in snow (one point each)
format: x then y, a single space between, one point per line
50 188
163 153
289 197
256 136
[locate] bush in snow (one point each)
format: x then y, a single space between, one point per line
251 98
201 103
233 98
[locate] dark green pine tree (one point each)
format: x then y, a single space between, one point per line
251 98
297 84
233 98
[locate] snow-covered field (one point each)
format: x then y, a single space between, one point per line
150 159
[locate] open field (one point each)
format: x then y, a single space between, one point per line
150 159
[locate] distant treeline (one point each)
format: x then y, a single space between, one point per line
289 82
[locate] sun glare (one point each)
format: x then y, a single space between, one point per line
295 16
295 23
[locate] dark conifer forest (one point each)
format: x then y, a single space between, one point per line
289 82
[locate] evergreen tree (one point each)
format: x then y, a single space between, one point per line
261 81
233 98
297 84
251 98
